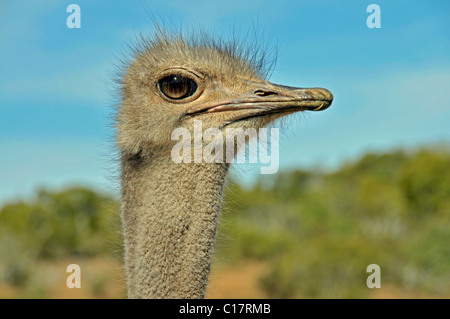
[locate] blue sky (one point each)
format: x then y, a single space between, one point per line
391 85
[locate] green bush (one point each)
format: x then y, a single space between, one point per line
319 231
74 222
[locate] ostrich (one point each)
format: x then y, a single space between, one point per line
170 211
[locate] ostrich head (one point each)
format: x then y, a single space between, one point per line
172 82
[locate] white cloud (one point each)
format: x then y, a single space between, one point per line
406 108
408 95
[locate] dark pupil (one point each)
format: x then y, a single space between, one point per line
177 87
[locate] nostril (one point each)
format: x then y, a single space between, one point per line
265 93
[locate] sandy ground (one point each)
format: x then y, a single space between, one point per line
103 278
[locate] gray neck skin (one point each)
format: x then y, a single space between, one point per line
170 214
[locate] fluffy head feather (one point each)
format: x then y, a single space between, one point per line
145 120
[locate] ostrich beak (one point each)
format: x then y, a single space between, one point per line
267 98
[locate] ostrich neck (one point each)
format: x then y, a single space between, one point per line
170 214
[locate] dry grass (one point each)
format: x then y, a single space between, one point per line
237 282
102 278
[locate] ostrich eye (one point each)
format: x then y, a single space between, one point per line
177 87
